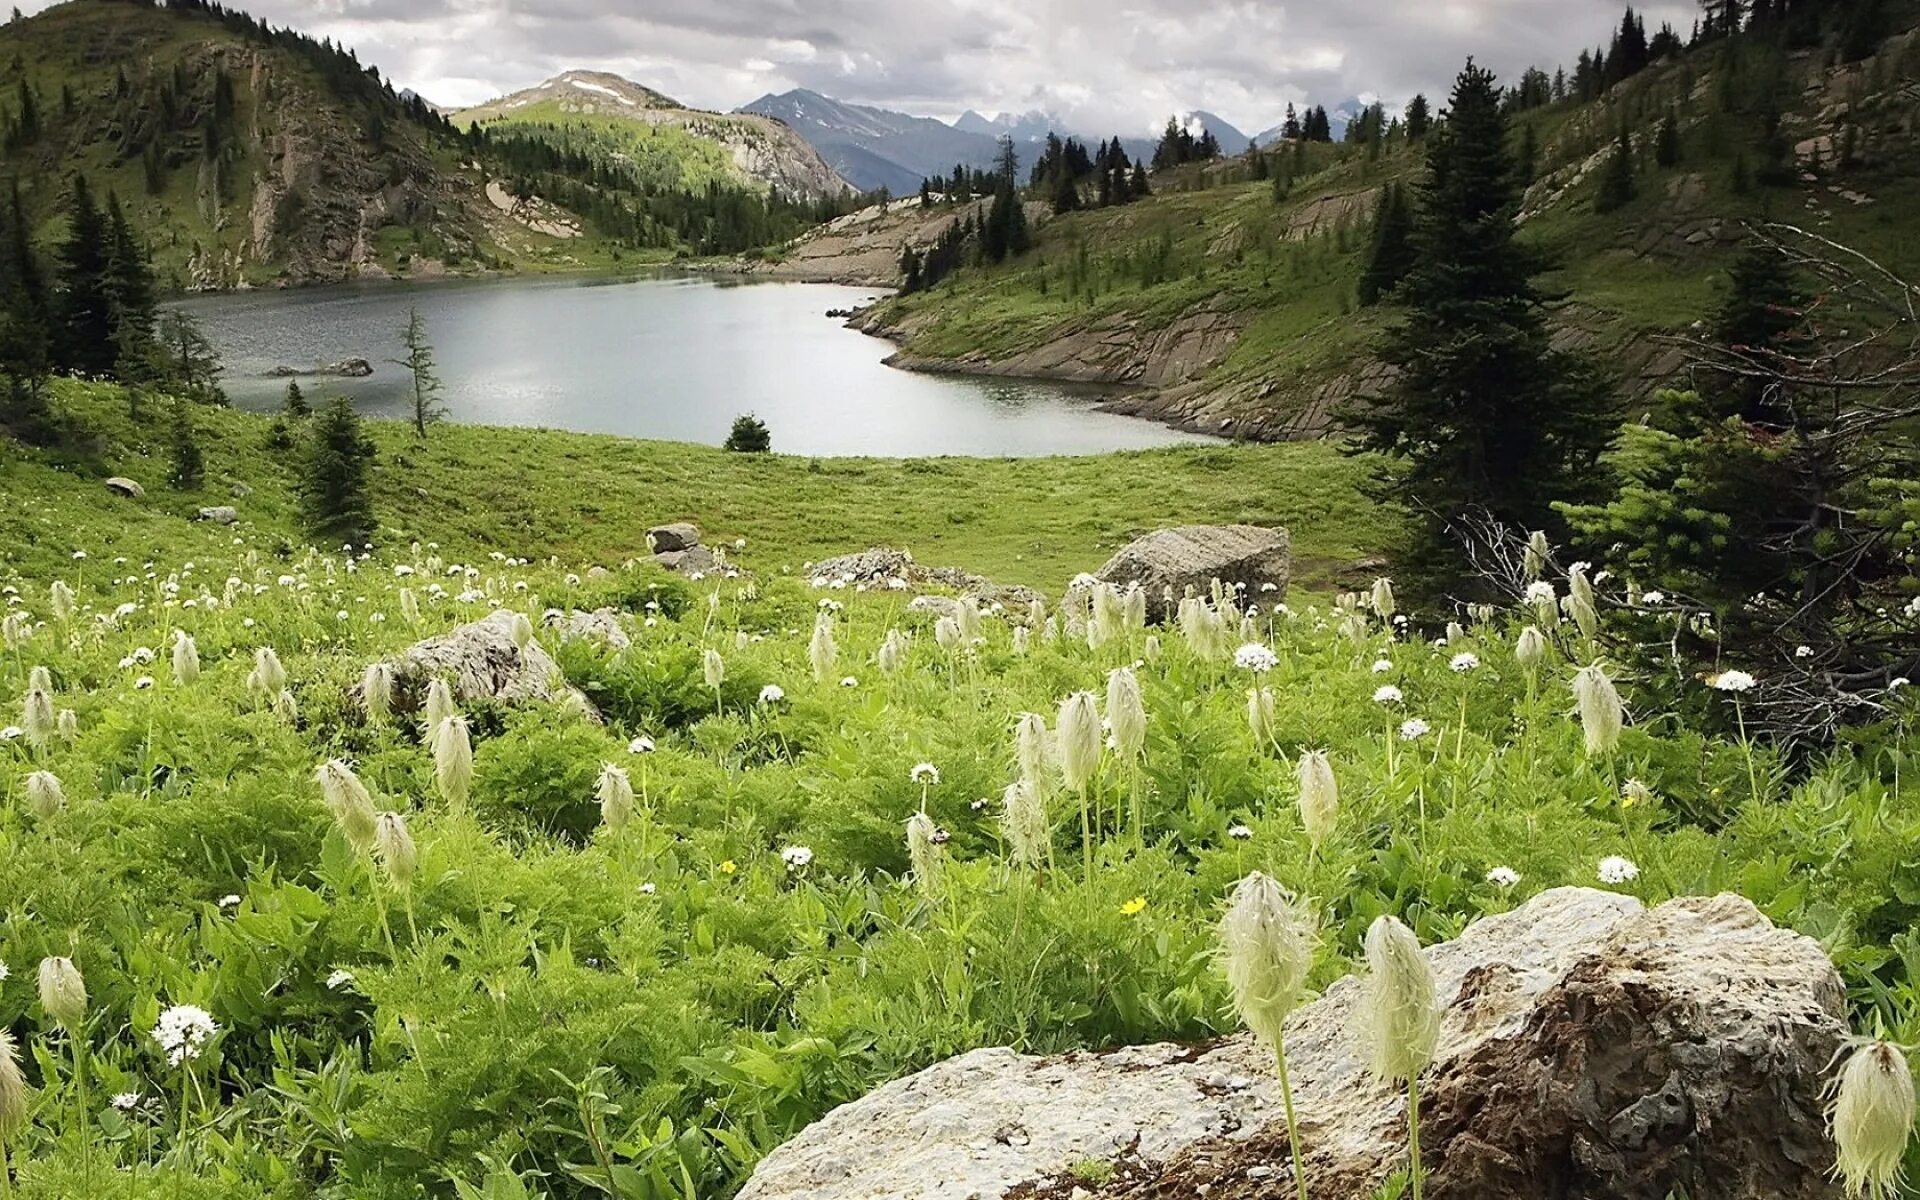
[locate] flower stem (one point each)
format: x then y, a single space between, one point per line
1293 1125
1415 1171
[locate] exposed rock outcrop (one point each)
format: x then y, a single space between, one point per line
219 514
481 663
1166 562
881 566
120 485
1589 1048
601 625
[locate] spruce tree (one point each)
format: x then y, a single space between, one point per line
1764 317
425 377
1419 119
1616 178
1140 186
84 340
1666 147
335 480
1484 416
186 465
132 307
1391 256
296 405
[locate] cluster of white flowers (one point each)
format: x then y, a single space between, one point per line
797 858
1413 729
1387 694
1464 661
1256 658
1615 869
1732 681
1504 877
183 1031
925 773
773 693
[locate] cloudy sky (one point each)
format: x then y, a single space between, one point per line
1107 64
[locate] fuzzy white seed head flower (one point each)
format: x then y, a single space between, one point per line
453 759
1266 950
1871 1118
1463 662
439 705
925 845
63 993
1032 749
1387 694
351 805
67 725
1413 729
268 678
393 845
1731 681
1262 714
773 693
1319 796
1601 713
376 692
1634 791
614 790
186 659
1382 598
893 652
1023 819
1538 551
925 774
1531 649
967 617
1126 714
14 1095
1615 869
45 796
1503 877
409 606
37 717
1399 1009
521 631
1077 732
183 1031
713 668
822 652
60 599
1256 658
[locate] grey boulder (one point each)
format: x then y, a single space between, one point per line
480 663
1255 561
120 485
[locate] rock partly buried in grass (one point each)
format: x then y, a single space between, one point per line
219 514
480 663
1590 1048
120 485
602 625
1167 562
665 539
881 565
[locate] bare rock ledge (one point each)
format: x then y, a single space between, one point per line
1591 1049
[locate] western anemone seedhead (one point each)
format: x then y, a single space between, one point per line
286 706
615 793
1126 714
967 616
68 726
60 597
1531 649
1319 796
1262 714
376 692
40 679
714 669
1136 607
1032 749
45 796
453 759
1024 821
1022 638
13 1090
822 652
349 802
1266 949
37 717
924 850
439 705
521 631
1870 1118
394 847
1077 733
1399 1009
409 606
946 633
186 658
268 678
1538 551
1601 714
63 993
1581 612
1382 598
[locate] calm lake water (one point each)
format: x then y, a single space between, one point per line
673 357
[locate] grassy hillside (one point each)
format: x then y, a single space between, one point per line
1237 303
531 1000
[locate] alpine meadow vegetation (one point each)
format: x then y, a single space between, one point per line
278 926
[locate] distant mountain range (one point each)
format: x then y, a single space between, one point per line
875 147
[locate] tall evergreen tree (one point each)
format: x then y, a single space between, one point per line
1485 416
132 307
1419 118
85 335
1666 145
425 377
1764 316
1616 178
1391 256
335 480
186 465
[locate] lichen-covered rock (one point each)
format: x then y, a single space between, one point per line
219 514
1590 1048
681 535
693 560
480 662
1169 561
601 625
120 485
882 565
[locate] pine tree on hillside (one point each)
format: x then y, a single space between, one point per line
1763 316
1140 186
425 377
132 307
296 405
25 333
1616 178
84 341
1392 254
1485 416
1666 145
335 480
187 467
1419 119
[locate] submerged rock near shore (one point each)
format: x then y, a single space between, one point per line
1590 1047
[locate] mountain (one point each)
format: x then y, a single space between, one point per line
1231 140
666 142
1339 116
1226 300
873 147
